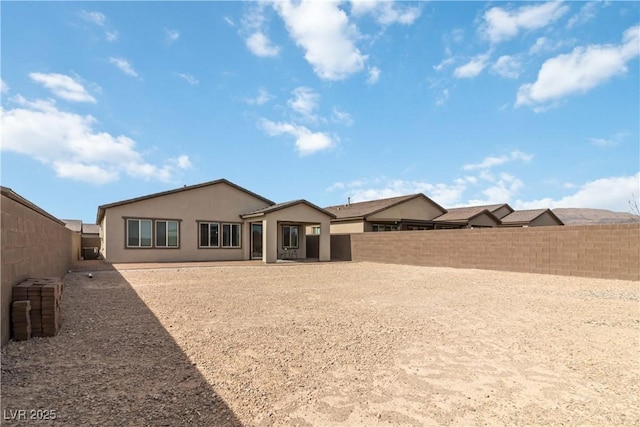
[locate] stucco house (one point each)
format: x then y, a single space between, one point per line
212 221
530 218
411 212
470 217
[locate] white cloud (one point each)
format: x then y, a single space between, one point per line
613 193
507 66
602 142
260 45
323 30
307 142
444 63
382 187
341 117
262 98
69 144
124 66
587 13
491 161
501 24
171 36
63 86
304 102
189 78
97 18
579 71
111 35
374 75
229 21
502 190
4 88
472 68
443 97
385 12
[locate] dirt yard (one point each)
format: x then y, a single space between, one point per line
348 344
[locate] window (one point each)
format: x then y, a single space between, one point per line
167 234
209 235
315 230
290 236
384 227
139 233
230 235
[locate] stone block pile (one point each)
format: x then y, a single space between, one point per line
36 308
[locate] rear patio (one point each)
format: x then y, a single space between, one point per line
333 344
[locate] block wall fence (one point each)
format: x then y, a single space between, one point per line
609 251
34 244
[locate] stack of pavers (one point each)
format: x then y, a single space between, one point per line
44 297
20 320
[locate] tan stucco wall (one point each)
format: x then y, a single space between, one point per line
347 227
417 208
216 203
33 245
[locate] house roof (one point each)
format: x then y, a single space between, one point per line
278 206
527 216
9 193
73 224
466 214
364 209
90 229
102 208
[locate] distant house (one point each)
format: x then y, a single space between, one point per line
411 212
530 218
499 215
469 217
212 221
90 241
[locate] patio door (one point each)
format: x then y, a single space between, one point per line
256 240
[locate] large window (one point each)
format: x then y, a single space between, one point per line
290 236
139 233
167 234
149 233
230 235
219 235
209 235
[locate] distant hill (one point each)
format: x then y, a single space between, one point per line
585 216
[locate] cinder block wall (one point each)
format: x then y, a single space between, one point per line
603 251
34 244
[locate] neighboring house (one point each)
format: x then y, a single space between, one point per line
90 241
499 210
411 212
531 218
470 217
212 221
85 239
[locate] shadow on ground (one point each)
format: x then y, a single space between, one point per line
112 363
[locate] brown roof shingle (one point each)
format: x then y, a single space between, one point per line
363 209
526 216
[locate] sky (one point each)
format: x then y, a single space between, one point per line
535 104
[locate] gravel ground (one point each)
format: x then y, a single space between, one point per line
331 344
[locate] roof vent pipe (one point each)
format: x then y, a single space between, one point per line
348 201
